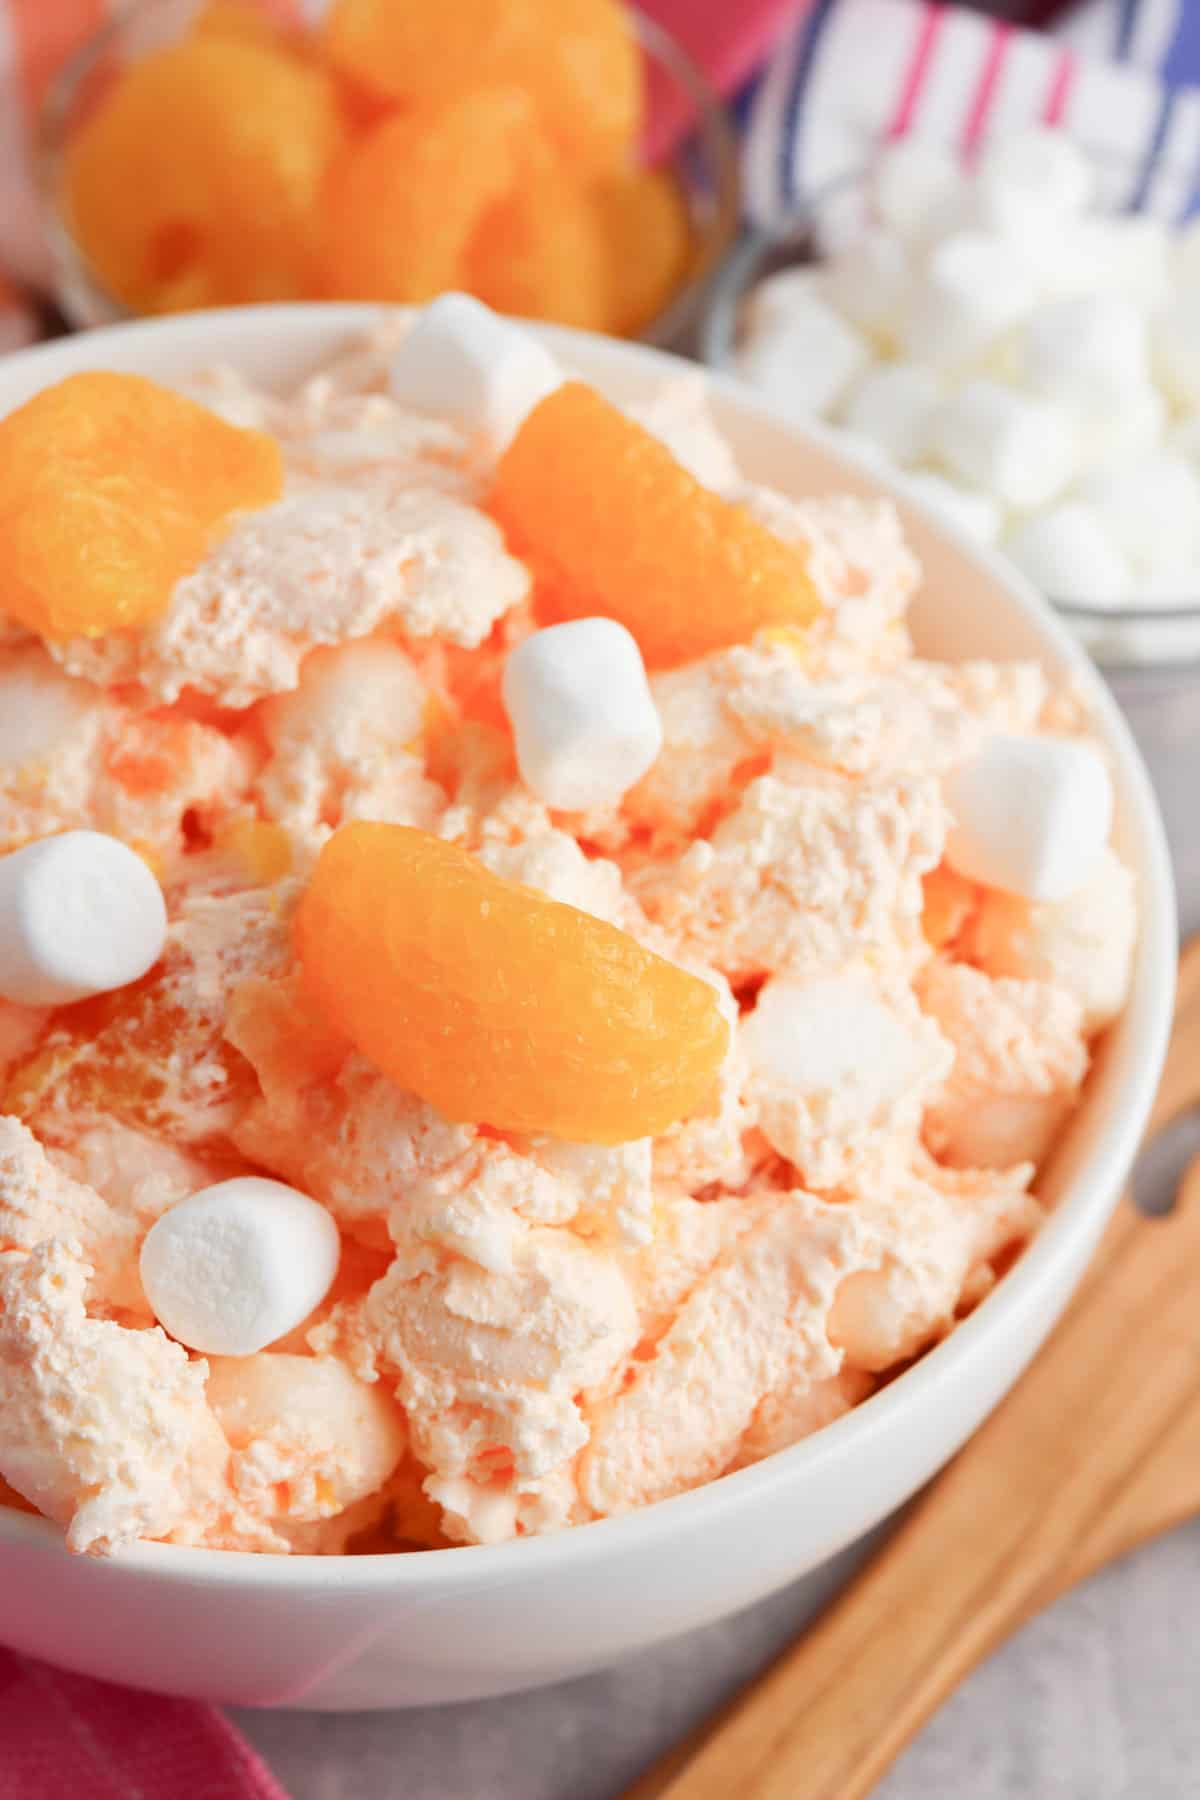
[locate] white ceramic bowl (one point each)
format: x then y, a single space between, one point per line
459 1624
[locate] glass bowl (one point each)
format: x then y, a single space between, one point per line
689 132
1141 648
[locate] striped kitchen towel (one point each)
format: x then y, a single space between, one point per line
1122 75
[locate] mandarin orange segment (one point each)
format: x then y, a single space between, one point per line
202 171
429 50
646 237
541 252
577 59
585 73
111 488
613 525
404 203
249 21
951 901
495 1004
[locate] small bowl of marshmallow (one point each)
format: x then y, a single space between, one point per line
1024 350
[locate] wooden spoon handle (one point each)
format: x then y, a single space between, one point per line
1044 1492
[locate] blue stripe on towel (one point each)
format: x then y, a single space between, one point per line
806 56
1127 14
1154 150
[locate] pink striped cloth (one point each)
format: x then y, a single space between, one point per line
1122 75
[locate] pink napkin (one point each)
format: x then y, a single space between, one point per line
63 1737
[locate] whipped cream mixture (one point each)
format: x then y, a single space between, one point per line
523 1333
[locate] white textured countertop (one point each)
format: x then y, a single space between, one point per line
1096 1700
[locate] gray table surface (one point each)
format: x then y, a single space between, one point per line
1096 1700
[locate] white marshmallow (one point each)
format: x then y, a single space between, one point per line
1130 428
977 514
770 303
584 720
973 291
235 1267
916 187
463 363
1031 815
1185 439
893 407
1032 181
80 914
1177 351
1185 260
806 358
1170 582
1066 552
1131 254
1088 353
1150 508
1018 449
870 281
818 1037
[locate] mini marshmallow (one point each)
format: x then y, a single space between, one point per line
806 359
773 299
1131 254
1020 450
869 283
1088 353
461 362
80 914
1031 815
1185 439
977 514
1185 259
1125 431
584 720
1177 352
893 407
973 291
837 1033
1067 553
1150 508
236 1266
1030 182
915 187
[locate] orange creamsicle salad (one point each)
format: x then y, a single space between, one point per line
520 993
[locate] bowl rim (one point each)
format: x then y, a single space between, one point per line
1146 1021
74 274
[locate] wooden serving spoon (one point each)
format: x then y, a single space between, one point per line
1095 1451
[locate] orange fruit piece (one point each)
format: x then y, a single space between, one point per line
583 67
644 228
201 174
951 901
495 1004
541 253
249 21
577 59
111 488
403 204
613 525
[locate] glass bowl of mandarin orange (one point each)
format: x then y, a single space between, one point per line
560 159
